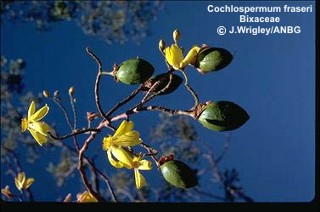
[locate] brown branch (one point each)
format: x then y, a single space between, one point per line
151 152
81 168
77 132
99 172
82 172
97 83
190 89
124 101
55 100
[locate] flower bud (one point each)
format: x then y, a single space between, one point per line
176 35
56 93
222 116
162 45
212 59
179 174
134 71
46 93
71 91
167 83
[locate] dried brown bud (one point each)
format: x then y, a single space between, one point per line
46 93
71 91
176 35
162 45
56 93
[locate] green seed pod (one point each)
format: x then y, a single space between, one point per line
134 71
222 116
167 83
179 174
212 59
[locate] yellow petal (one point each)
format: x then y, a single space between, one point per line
191 56
40 127
19 180
21 177
39 114
114 163
18 184
123 128
28 183
32 109
122 156
86 197
145 165
174 55
41 139
131 138
140 180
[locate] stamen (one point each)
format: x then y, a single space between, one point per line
24 124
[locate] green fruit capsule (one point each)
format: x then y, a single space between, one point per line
222 116
166 83
134 71
212 59
179 174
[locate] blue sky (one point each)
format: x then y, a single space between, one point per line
272 77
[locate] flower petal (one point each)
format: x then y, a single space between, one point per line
28 183
123 128
145 165
32 109
122 156
21 177
39 114
114 163
140 180
174 55
131 138
40 127
19 180
86 197
41 139
18 184
190 57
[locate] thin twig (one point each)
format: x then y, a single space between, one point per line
136 109
73 111
101 174
225 148
151 152
190 89
97 83
77 132
67 119
124 101
81 167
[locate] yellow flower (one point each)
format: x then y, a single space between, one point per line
174 54
38 129
86 197
123 137
22 182
136 164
